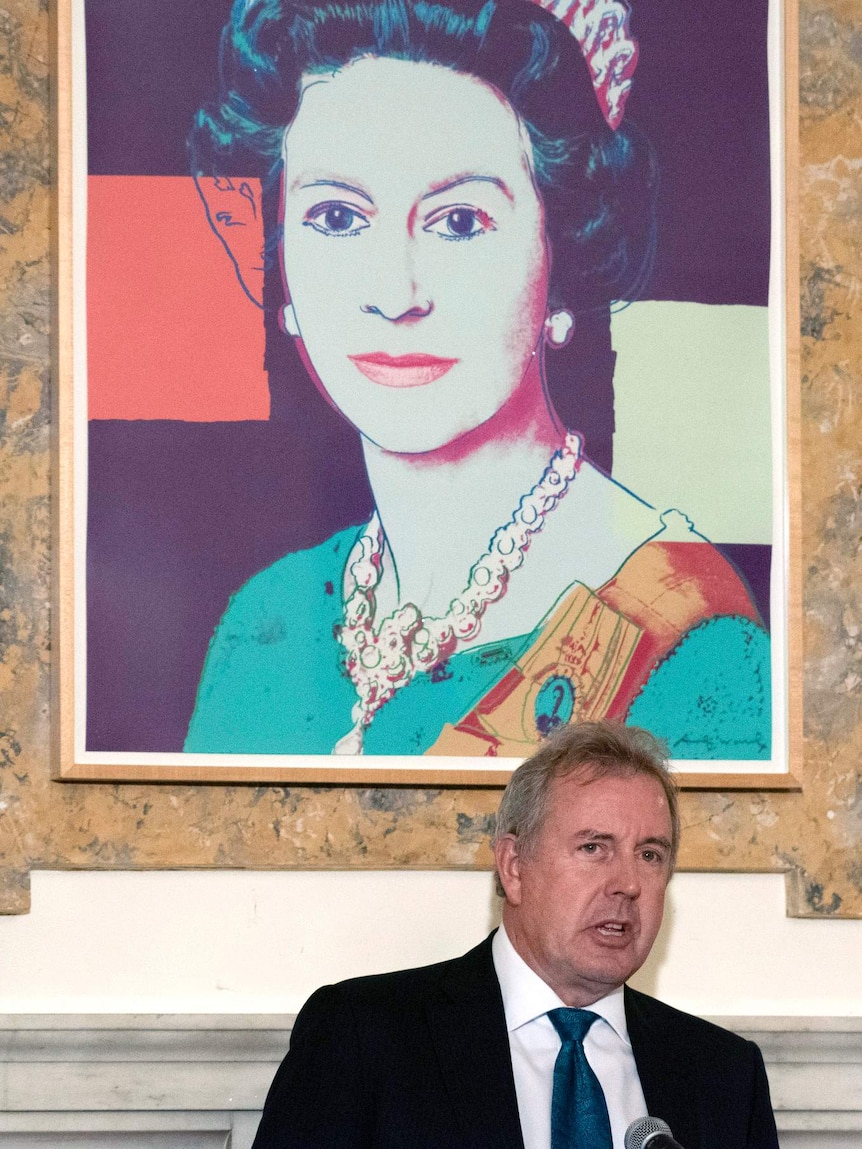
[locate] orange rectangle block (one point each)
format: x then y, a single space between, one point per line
171 333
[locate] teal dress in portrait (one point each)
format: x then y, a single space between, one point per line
274 680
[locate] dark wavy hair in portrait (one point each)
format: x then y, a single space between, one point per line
598 185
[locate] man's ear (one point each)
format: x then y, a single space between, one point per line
234 212
509 867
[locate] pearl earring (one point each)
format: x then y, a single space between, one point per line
288 321
559 328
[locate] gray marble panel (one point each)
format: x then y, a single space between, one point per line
130 1084
124 1082
821 1140
116 1140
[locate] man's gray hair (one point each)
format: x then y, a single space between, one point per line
590 750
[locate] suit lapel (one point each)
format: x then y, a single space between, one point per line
665 1068
468 1028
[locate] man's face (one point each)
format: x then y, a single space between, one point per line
583 907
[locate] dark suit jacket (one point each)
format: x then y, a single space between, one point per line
419 1059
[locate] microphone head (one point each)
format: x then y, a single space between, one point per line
642 1131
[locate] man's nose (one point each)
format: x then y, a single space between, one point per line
624 878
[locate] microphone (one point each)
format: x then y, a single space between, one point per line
650 1133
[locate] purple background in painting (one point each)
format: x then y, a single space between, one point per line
181 514
151 65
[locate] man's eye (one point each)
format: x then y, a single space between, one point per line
460 223
590 847
335 219
652 856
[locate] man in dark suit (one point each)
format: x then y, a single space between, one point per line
532 1040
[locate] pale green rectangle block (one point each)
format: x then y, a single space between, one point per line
693 414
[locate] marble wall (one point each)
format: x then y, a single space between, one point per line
814 836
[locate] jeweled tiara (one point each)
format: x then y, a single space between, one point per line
601 27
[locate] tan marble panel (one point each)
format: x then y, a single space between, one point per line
814 836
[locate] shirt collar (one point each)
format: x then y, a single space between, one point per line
527 997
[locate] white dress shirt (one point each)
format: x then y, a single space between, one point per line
534 1044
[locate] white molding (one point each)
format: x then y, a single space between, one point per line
200 1080
815 1076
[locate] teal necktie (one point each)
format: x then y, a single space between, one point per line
579 1113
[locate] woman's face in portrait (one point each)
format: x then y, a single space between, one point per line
414 249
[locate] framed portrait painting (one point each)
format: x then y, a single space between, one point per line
424 382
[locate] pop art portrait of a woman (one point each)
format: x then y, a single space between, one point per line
500 294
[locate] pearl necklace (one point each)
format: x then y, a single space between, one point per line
381 662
